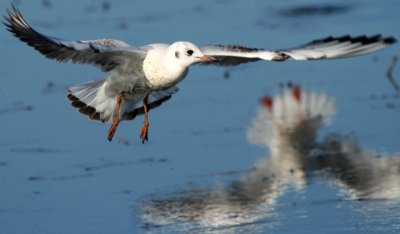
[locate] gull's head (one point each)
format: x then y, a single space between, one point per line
186 54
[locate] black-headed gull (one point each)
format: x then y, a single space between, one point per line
139 79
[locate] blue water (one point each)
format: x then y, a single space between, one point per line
59 174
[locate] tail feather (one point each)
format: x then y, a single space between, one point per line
83 96
93 99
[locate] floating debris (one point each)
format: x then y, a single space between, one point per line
389 73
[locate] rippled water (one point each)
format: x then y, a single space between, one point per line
217 160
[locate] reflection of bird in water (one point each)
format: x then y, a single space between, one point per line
141 78
296 116
288 125
360 173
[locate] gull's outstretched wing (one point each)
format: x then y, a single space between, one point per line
104 53
327 48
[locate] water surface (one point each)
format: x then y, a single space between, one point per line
200 171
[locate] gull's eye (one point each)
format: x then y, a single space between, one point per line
189 52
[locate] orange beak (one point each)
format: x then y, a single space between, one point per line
207 58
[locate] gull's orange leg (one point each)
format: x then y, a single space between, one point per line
145 127
115 123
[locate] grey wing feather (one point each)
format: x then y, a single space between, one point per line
104 53
231 55
327 48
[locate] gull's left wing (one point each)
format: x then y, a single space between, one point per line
327 48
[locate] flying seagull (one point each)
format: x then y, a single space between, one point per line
141 78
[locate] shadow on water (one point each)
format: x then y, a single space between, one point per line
288 125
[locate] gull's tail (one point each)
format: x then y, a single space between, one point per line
85 97
95 101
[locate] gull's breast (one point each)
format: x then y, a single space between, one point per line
161 73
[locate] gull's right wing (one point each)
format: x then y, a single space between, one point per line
103 53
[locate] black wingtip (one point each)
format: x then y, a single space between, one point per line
390 40
363 39
14 20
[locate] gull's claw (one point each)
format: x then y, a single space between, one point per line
144 132
145 127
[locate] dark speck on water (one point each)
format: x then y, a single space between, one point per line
391 106
17 107
315 10
227 74
106 6
38 150
47 3
123 25
50 85
33 178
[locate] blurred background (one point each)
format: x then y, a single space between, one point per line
200 171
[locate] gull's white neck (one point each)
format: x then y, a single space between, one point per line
161 68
